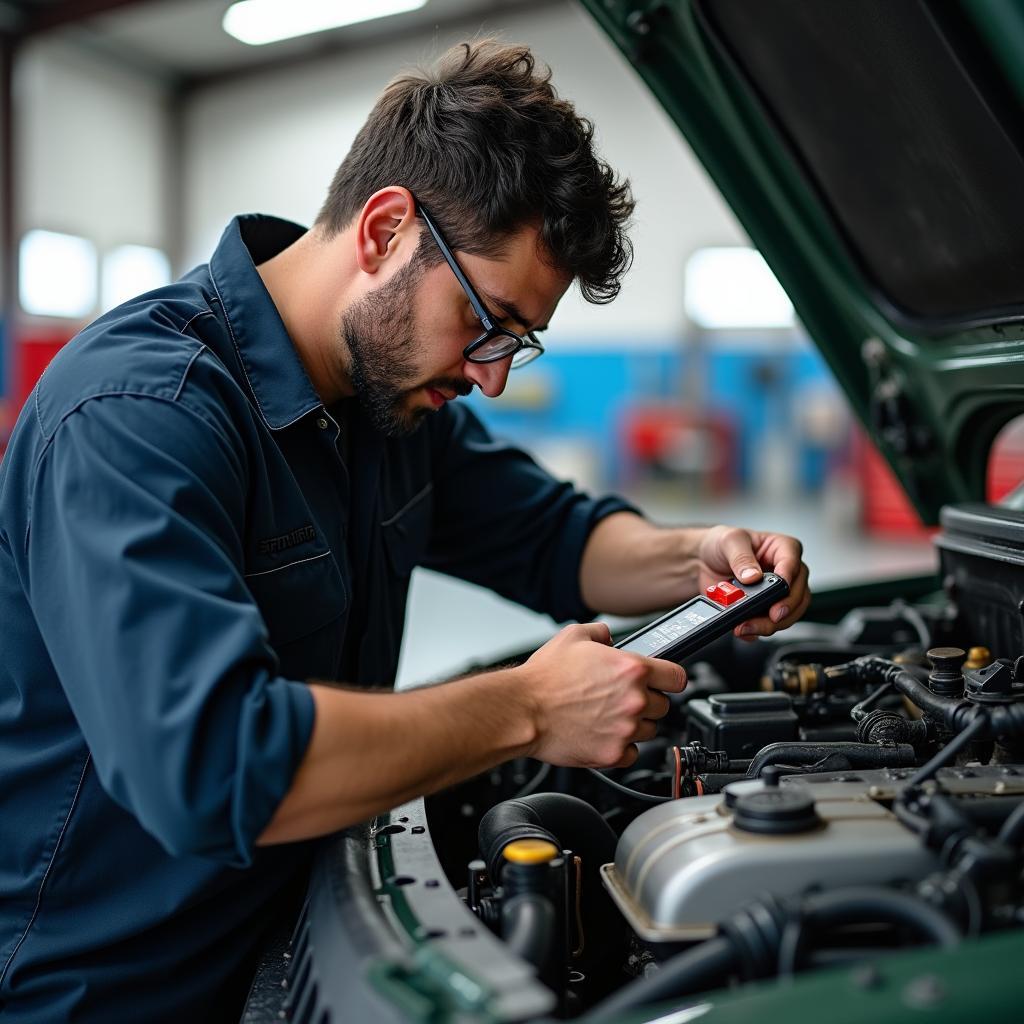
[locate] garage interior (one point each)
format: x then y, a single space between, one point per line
132 130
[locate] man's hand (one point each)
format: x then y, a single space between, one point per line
746 555
576 702
592 703
631 567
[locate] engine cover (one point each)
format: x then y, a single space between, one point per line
684 866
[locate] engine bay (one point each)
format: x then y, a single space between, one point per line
824 798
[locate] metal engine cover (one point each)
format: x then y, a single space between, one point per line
684 866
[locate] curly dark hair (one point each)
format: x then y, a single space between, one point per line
484 141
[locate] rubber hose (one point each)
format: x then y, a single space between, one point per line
528 927
864 905
703 967
1012 831
860 755
559 818
569 823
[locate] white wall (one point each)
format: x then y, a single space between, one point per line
93 148
271 143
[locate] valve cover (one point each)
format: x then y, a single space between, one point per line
684 866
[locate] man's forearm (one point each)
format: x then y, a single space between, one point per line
631 567
577 702
373 751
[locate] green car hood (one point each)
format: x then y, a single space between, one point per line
874 152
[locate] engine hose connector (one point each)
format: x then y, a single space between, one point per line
697 759
890 727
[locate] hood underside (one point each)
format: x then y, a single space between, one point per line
874 152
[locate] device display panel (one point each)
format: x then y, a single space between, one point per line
671 630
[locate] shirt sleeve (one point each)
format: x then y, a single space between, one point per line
502 521
133 556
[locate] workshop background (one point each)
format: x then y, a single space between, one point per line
133 130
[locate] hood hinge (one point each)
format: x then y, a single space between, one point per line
892 415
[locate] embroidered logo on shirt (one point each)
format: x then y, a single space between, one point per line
275 545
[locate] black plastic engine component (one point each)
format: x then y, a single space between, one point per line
981 554
994 684
569 822
776 812
742 723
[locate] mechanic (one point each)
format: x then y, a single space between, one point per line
212 504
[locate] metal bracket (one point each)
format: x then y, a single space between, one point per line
892 413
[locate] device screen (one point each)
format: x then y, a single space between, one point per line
668 632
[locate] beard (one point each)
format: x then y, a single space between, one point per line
380 333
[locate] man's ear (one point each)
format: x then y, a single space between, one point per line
385 228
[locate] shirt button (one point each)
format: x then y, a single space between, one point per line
322 423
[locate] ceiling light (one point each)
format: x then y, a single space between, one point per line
257 22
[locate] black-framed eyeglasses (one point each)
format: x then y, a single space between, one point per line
496 342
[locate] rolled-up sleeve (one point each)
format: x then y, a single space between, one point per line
502 521
133 557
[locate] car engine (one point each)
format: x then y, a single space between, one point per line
825 798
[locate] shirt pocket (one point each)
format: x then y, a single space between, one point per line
406 531
299 598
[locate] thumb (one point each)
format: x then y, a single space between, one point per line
739 553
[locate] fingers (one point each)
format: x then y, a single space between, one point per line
645 730
628 758
597 631
783 614
666 676
657 705
786 555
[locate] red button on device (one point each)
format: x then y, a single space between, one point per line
724 593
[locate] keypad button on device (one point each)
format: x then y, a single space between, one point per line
724 593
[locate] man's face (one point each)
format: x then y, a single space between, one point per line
405 338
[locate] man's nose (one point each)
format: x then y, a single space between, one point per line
490 378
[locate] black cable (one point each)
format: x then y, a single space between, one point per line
649 798
535 783
860 711
977 726
914 617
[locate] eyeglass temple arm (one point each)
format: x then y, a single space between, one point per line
449 256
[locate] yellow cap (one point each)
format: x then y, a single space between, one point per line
530 851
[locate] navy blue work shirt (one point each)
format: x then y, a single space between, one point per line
182 547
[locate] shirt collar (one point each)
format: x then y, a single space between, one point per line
279 382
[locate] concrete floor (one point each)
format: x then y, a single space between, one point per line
452 624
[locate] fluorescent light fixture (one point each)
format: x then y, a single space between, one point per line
733 287
130 270
56 275
258 22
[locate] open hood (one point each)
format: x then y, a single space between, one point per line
874 152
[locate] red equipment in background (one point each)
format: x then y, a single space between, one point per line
672 440
32 354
